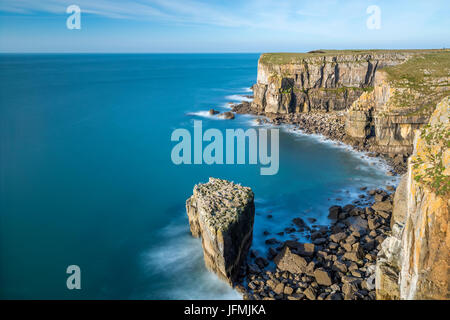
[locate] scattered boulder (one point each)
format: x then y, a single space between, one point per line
382 206
306 249
288 290
279 288
357 224
338 262
299 222
310 293
322 277
334 211
338 237
228 115
288 261
339 267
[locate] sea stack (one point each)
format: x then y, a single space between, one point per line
222 214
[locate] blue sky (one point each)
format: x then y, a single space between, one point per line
220 26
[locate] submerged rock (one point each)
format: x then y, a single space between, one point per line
222 214
228 115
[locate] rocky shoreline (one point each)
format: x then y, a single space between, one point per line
339 260
349 259
374 102
330 124
338 263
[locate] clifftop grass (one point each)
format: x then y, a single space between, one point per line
292 58
424 79
420 69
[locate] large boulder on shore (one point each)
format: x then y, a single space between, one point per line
222 214
286 260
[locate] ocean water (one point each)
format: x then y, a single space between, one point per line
86 176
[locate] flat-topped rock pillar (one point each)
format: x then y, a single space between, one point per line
222 214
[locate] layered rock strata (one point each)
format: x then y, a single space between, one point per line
222 214
401 102
317 82
414 261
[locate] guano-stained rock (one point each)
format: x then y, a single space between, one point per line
222 214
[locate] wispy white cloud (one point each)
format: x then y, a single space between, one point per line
332 19
113 9
254 13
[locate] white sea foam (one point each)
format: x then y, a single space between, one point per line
373 162
227 105
180 258
204 114
239 98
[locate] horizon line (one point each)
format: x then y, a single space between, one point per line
211 52
216 52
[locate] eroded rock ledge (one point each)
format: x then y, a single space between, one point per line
222 214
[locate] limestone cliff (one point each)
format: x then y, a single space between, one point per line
222 214
401 102
321 81
414 260
386 94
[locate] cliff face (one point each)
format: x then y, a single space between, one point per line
401 102
222 214
414 260
387 95
376 115
311 82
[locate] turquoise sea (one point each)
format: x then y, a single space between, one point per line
86 176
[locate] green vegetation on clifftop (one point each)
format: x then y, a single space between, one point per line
287 57
424 79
